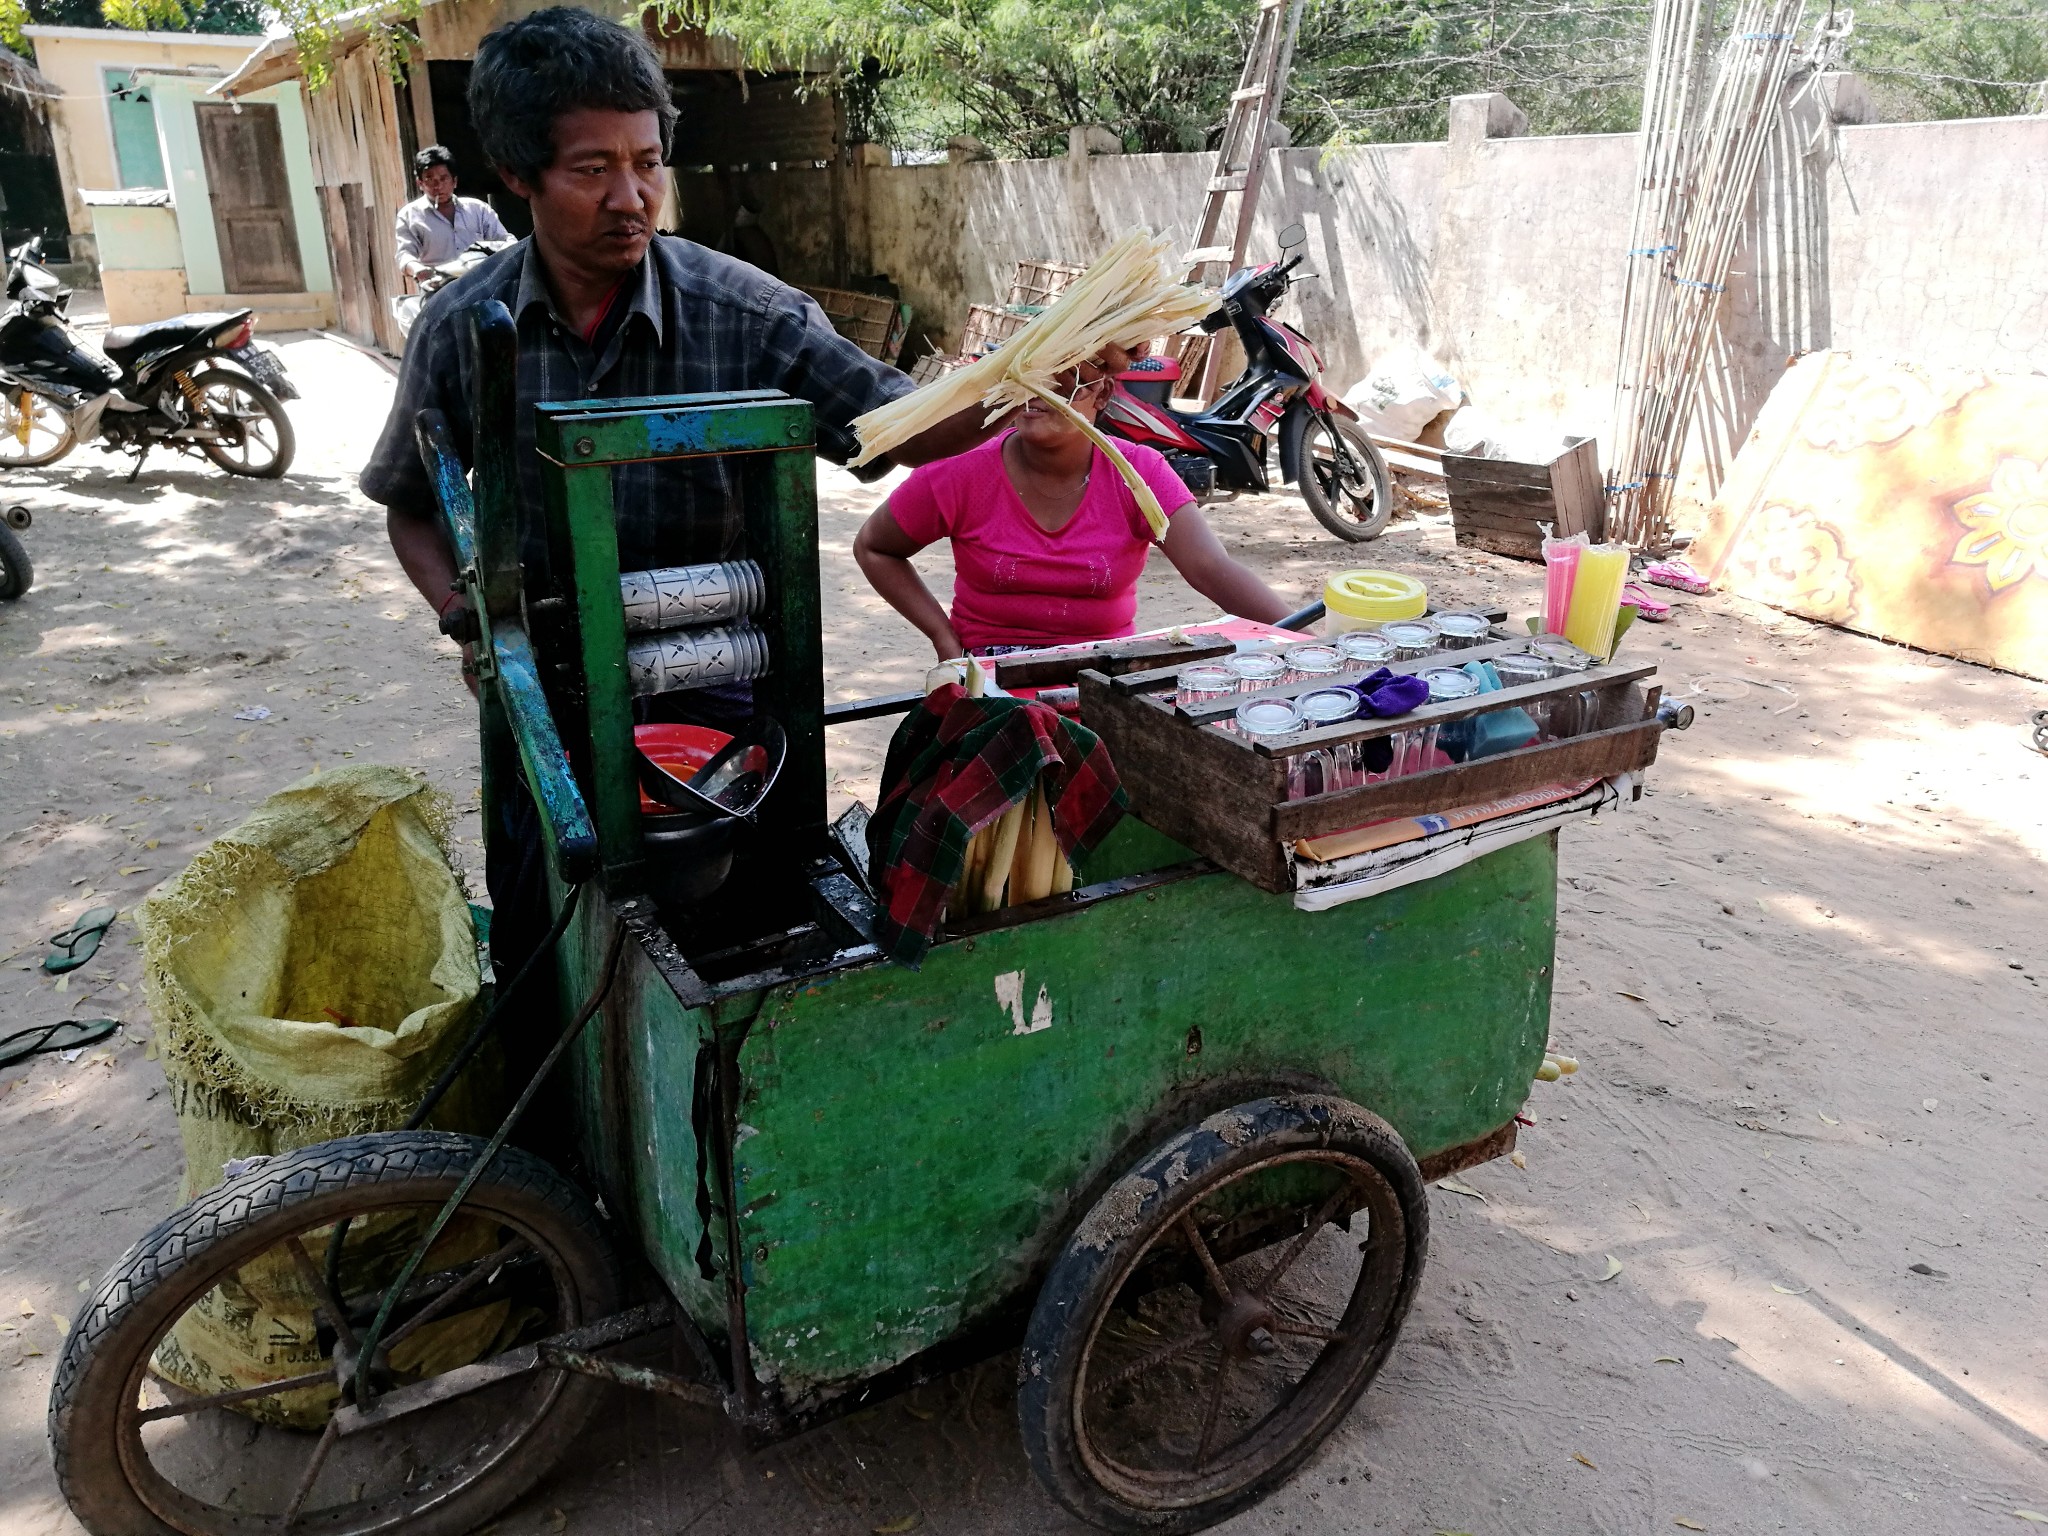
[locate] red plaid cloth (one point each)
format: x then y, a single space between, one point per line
954 766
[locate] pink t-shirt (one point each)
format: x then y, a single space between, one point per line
1016 584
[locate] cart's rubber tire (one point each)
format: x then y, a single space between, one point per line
230 382
1354 511
183 1256
17 571
1138 1220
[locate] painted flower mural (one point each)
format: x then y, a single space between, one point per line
1791 558
2007 526
1862 408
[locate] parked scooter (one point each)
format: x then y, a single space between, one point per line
17 573
1279 396
196 383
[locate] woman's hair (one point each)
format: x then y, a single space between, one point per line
558 60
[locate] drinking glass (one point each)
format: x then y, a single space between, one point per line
1365 650
1270 717
1461 631
1335 766
1203 685
1255 670
1313 663
1413 638
1520 670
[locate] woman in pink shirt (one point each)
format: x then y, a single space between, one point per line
1048 541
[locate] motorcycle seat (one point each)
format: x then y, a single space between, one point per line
1151 370
123 342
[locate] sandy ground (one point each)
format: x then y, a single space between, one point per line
1802 977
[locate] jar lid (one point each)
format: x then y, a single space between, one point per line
1466 626
1449 683
1364 645
1313 658
1207 679
1327 706
1255 666
1269 717
1372 597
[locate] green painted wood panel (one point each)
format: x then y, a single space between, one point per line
131 112
914 1144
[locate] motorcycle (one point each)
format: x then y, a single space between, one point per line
1278 398
405 309
196 383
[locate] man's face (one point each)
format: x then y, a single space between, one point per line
438 182
597 203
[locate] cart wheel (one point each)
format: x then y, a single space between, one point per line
1219 1311
145 1440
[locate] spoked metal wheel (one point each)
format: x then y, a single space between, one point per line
32 430
1219 1311
199 1393
256 435
1344 480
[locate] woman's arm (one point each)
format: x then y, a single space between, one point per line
882 550
1199 556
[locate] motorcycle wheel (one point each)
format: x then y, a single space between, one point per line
243 408
16 570
33 430
1349 493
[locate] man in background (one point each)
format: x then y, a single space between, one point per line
437 225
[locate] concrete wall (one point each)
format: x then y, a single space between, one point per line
74 58
1504 257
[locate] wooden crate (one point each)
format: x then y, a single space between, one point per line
1038 283
874 322
989 326
1499 504
1226 797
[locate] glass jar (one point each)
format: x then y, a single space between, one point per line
1327 768
1313 663
1571 714
1365 650
1461 631
1203 685
1255 670
1413 638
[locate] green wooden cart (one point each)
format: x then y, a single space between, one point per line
1167 1131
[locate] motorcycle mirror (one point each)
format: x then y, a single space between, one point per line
1293 235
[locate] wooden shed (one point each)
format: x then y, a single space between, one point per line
365 127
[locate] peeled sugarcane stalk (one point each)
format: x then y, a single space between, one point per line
1045 851
1027 838
1130 294
1002 853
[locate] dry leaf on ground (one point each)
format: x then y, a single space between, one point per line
1582 1461
1460 1187
1613 1267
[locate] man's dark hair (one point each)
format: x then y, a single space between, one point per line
529 73
431 156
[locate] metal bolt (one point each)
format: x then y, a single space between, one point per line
585 447
1261 1342
796 431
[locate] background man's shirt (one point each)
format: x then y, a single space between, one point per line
426 234
695 322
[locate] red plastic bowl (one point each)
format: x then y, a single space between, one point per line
681 749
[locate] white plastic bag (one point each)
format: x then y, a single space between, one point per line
1403 394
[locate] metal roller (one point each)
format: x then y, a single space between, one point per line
697 658
677 595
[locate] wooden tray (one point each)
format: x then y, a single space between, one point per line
1226 797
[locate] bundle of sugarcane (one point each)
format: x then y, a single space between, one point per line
1130 295
1015 858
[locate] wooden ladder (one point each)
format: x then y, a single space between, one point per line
1241 153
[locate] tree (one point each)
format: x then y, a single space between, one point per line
238 16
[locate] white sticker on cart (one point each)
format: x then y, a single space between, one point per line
1010 998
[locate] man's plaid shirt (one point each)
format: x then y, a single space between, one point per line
697 322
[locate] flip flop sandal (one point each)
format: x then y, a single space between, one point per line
81 943
64 1035
1651 610
1678 574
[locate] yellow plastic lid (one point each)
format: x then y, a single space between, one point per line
1375 597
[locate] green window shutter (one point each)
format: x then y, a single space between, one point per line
138 158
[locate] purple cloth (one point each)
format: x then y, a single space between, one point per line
1387 692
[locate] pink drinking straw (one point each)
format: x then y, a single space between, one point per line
1560 571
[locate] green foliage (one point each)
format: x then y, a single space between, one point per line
316 27
1017 73
236 16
